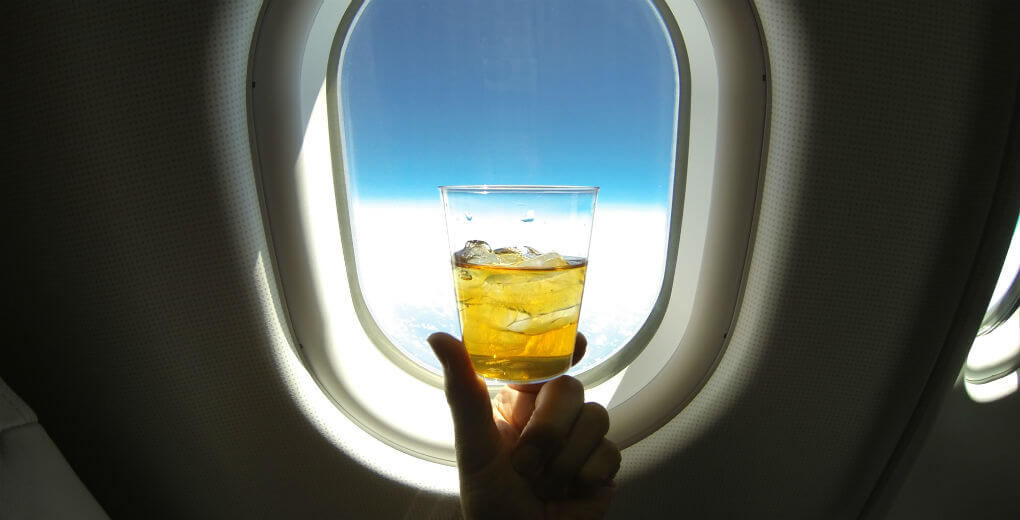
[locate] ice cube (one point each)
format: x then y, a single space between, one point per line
545 260
476 252
513 255
503 318
527 324
509 255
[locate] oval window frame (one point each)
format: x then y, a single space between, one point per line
727 103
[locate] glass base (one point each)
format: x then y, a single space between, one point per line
520 370
502 382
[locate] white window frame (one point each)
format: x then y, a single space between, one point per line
401 406
990 372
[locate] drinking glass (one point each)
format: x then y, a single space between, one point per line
519 256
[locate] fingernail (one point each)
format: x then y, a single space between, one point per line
528 461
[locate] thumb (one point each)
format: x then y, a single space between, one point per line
477 438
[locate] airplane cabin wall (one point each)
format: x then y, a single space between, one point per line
137 300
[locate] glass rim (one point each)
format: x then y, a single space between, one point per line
483 189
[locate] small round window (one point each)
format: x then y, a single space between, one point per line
507 92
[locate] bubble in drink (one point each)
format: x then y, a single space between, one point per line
518 310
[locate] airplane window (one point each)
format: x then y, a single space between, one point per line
361 109
1006 296
991 369
498 92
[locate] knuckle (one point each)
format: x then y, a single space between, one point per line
611 446
503 407
598 416
589 475
611 449
617 459
549 437
558 471
569 384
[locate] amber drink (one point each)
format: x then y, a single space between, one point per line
518 310
519 299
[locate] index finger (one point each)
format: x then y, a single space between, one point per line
580 347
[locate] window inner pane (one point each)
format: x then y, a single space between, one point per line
507 92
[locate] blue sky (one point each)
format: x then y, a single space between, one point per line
509 92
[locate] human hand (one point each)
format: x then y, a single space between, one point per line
534 451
